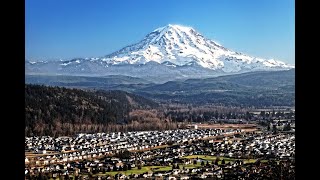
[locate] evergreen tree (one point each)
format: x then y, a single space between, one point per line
274 129
120 168
125 167
287 127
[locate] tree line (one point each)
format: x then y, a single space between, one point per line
64 111
57 111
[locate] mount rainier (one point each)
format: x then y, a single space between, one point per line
167 53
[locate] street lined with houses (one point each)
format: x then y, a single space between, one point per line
84 146
171 154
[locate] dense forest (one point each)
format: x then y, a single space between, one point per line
204 114
59 110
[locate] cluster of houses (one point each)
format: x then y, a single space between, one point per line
232 170
262 145
74 156
249 146
86 146
283 125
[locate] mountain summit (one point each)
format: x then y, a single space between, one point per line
173 50
183 45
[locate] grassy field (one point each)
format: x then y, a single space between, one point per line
128 172
166 168
140 171
191 166
145 169
213 158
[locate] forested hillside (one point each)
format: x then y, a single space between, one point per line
55 110
255 89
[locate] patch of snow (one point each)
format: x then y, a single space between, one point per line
65 64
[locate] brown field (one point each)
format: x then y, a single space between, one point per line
31 155
227 126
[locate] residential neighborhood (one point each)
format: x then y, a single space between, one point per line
156 90
173 154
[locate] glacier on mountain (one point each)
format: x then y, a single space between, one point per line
176 50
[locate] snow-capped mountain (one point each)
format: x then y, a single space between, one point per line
170 52
182 45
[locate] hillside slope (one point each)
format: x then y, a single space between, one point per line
260 89
46 108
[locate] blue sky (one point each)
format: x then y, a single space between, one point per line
80 28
